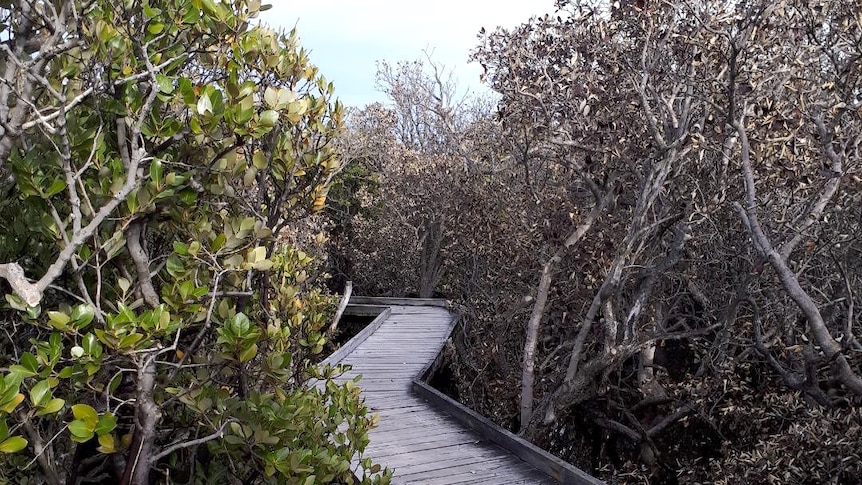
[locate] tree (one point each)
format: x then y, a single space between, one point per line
155 157
673 112
414 147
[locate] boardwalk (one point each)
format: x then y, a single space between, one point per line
424 445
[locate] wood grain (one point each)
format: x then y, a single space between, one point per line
423 444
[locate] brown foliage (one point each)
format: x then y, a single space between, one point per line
717 289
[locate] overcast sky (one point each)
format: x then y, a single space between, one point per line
347 37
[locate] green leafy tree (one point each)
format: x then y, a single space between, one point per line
154 154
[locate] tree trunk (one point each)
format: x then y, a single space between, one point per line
545 280
147 416
831 348
135 239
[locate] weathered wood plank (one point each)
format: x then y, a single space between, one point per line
447 435
492 468
425 445
364 310
448 461
370 300
357 340
544 461
399 448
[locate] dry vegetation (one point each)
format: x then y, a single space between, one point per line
654 234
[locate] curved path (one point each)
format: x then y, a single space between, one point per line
421 443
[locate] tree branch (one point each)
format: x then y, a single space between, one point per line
186 444
345 299
134 236
831 349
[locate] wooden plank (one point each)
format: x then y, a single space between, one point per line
393 404
376 370
415 424
484 476
554 467
402 411
397 438
416 354
492 467
435 302
481 449
387 404
365 310
443 462
425 445
380 451
357 339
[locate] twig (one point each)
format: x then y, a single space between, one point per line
185 444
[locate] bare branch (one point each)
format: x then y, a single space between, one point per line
831 348
345 299
134 237
187 444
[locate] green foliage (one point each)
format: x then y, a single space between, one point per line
171 144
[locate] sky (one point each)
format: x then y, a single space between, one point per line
347 37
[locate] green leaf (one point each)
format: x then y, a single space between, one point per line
22 371
205 105
91 345
132 201
174 266
194 248
71 70
155 29
82 315
107 444
257 254
268 118
51 407
59 320
56 187
259 160
186 288
29 361
16 302
9 405
34 311
181 248
166 85
156 171
85 413
219 242
151 12
240 324
210 7
263 265
130 340
40 393
124 284
13 445
107 423
80 431
248 353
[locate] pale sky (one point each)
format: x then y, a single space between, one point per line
347 37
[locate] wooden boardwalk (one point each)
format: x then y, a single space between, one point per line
422 444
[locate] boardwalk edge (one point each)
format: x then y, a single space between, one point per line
345 350
556 468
